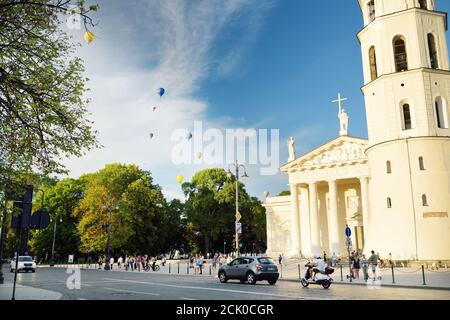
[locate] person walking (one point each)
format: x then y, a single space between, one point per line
356 267
100 262
373 262
365 267
333 260
111 263
119 263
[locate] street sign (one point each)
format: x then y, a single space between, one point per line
238 216
348 232
70 260
239 228
348 242
40 220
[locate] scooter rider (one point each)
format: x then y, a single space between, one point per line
320 266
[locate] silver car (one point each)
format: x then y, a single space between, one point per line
249 270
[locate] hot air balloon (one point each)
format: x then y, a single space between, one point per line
89 37
154 109
189 136
199 155
161 91
180 179
151 135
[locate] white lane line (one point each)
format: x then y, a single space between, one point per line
182 298
129 291
83 299
207 289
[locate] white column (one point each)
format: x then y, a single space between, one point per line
365 204
333 221
269 230
305 230
314 218
295 218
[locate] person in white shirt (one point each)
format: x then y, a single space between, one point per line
119 262
320 266
111 263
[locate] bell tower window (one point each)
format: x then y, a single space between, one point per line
441 113
433 51
400 55
371 8
407 121
373 63
423 4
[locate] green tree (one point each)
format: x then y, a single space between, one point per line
60 202
43 114
210 210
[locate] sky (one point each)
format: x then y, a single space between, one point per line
262 64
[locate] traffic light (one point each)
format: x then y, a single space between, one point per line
23 208
241 245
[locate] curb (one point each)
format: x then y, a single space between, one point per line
383 285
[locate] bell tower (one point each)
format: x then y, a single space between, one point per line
407 95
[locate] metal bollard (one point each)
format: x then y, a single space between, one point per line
281 271
178 268
169 267
187 268
210 270
423 275
342 275
299 272
393 278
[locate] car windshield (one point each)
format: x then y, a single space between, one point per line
266 261
25 259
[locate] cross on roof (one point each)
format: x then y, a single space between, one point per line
339 102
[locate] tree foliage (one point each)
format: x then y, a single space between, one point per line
43 112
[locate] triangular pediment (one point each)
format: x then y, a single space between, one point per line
341 149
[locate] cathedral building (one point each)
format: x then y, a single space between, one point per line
392 190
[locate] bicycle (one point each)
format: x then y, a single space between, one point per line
147 268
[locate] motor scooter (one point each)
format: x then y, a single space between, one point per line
320 278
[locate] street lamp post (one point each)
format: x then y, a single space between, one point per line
224 246
108 244
237 167
2 240
52 261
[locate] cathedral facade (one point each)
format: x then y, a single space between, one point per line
392 190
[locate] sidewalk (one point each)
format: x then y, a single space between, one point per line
27 293
403 277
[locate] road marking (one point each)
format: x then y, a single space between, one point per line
186 298
203 288
129 291
83 299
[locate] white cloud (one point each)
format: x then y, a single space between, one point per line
152 44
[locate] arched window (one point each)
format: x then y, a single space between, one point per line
423 4
389 203
407 121
388 167
373 63
421 164
433 51
371 8
400 55
424 200
441 113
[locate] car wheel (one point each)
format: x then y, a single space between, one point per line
304 283
12 270
272 282
33 271
326 284
251 278
223 277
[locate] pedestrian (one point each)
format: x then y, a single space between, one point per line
100 262
356 267
391 260
111 263
280 259
325 257
373 262
365 267
196 264
138 263
119 263
333 260
89 261
163 261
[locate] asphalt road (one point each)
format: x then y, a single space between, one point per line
112 285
